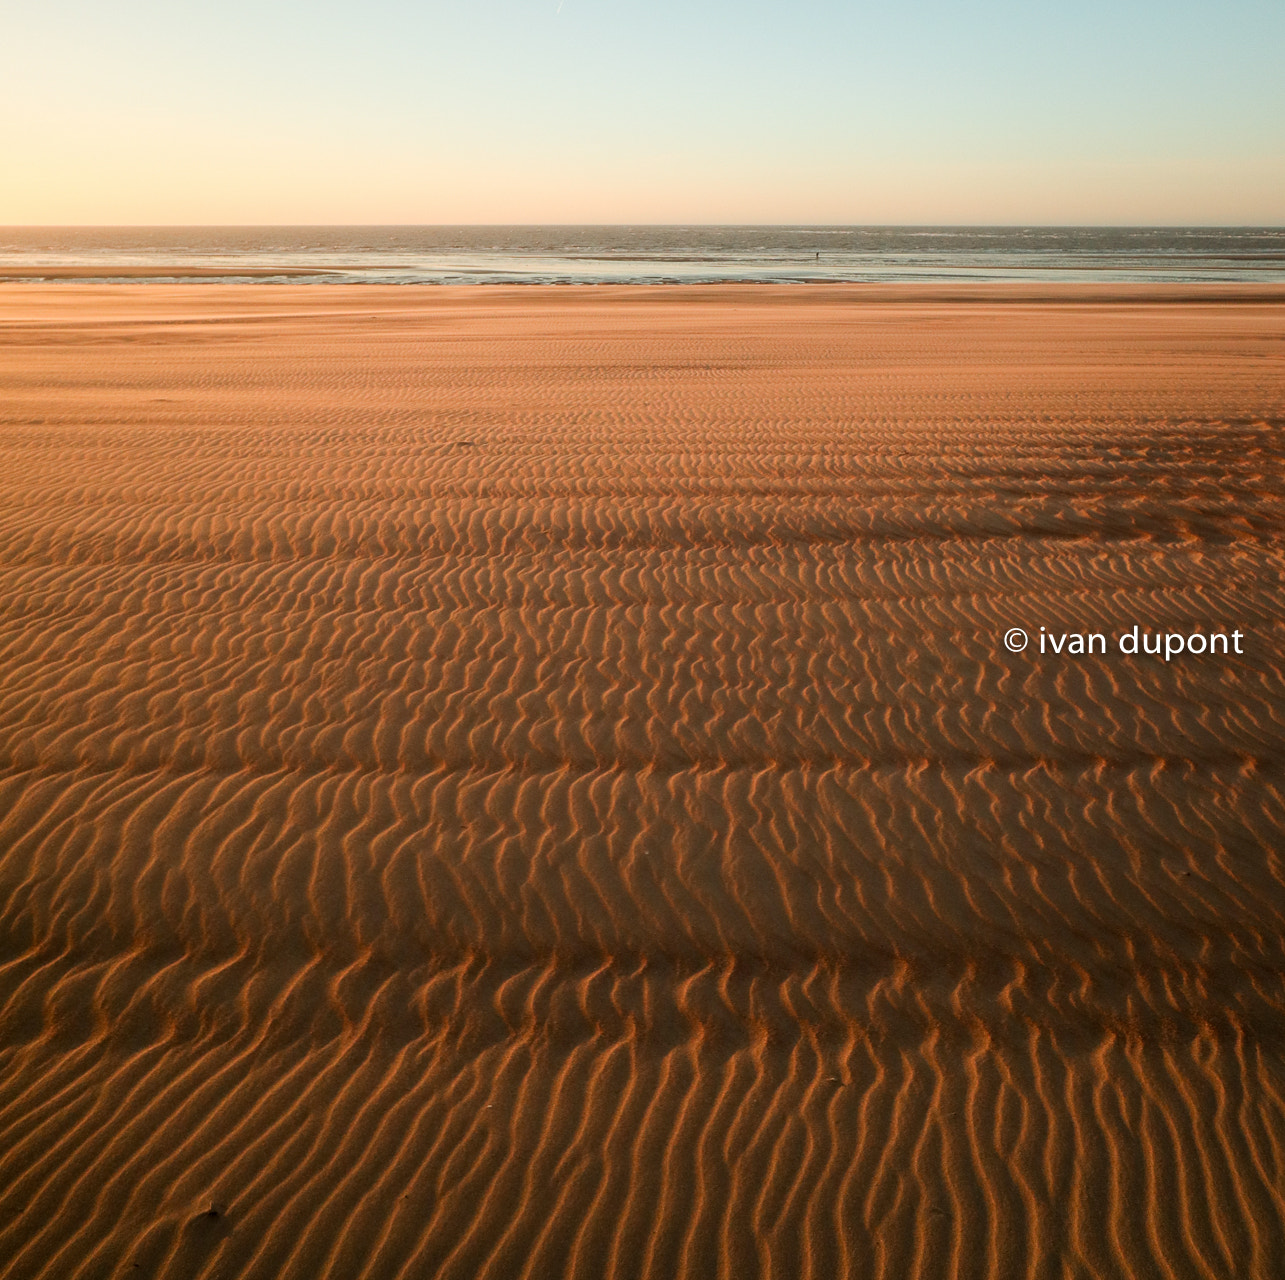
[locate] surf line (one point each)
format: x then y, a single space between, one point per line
1168 645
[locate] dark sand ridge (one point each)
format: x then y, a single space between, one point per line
527 782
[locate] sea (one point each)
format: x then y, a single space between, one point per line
646 254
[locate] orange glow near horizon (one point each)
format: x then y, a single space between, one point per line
529 113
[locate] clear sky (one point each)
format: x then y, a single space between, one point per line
387 111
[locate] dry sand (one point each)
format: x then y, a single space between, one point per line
527 782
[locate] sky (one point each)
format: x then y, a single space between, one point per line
609 111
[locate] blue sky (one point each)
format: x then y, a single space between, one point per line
523 111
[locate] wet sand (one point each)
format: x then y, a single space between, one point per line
528 782
11 273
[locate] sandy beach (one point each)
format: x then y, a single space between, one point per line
529 782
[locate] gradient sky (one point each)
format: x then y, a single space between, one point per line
927 111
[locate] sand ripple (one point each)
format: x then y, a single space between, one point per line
528 784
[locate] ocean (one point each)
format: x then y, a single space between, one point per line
645 254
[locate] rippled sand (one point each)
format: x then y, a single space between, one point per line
510 783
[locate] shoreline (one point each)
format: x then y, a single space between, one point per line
919 291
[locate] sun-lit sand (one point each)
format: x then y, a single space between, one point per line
529 783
